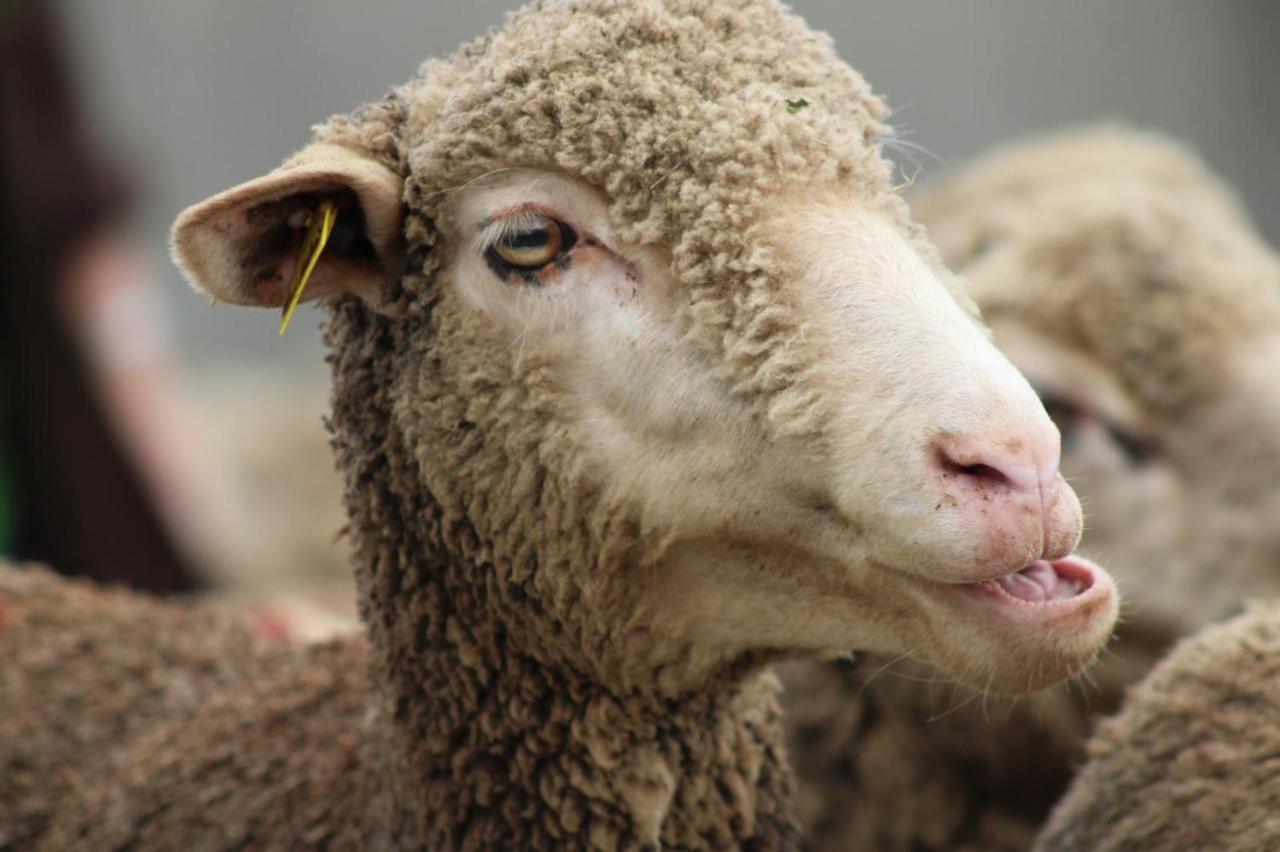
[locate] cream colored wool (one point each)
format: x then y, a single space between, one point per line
517 714
1191 761
617 761
1120 248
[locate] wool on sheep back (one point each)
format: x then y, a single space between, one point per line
1191 760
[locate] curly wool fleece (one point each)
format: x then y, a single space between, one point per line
513 707
471 519
1190 763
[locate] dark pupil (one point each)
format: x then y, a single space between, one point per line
527 239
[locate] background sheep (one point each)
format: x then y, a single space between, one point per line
595 477
86 669
1133 290
1127 283
1191 761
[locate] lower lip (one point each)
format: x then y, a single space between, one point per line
1095 586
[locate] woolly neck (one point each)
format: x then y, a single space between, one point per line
494 748
494 739
497 586
511 753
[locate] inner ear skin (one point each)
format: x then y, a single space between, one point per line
280 227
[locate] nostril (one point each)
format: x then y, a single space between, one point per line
983 469
977 470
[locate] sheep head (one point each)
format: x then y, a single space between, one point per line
1127 283
635 343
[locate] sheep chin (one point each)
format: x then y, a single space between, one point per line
1025 640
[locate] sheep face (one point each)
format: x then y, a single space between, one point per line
859 534
640 349
859 517
1134 294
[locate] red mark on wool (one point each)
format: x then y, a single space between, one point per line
271 624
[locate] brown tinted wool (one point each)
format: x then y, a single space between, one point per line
87 669
503 702
1190 762
1121 246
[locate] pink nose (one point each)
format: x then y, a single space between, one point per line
1012 466
1011 478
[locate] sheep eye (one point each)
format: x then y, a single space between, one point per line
1069 418
1135 449
1065 415
531 248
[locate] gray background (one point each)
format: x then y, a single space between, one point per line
200 95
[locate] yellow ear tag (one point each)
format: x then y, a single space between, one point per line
319 227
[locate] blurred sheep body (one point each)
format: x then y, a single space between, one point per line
1190 762
100 686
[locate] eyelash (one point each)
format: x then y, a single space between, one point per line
495 229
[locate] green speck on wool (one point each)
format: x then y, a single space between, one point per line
795 106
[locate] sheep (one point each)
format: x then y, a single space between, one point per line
1125 281
79 674
1191 761
643 379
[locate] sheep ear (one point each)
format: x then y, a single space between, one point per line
242 245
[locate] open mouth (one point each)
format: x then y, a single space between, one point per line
1034 627
1046 583
1044 588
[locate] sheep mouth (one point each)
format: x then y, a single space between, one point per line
1044 589
1043 581
1054 584
1023 630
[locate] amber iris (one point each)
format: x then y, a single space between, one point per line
532 248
